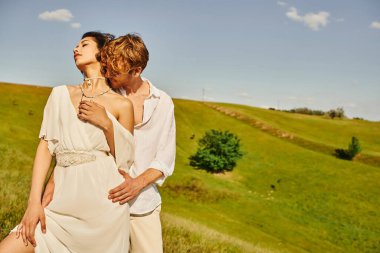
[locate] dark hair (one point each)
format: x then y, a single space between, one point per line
100 38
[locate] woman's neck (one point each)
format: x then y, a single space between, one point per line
93 79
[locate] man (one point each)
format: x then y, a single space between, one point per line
123 60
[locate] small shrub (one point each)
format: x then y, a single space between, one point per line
305 110
353 149
218 151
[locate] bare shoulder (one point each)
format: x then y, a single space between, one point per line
73 89
122 103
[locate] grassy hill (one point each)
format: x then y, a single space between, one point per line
282 196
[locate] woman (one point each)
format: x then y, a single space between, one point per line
80 217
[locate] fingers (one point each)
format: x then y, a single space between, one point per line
30 233
84 111
123 199
84 106
88 103
117 194
117 188
83 116
18 231
23 234
43 222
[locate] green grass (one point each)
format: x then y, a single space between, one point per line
281 197
336 132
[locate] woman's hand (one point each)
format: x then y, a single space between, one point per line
95 114
33 214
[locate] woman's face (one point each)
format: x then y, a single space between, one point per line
85 52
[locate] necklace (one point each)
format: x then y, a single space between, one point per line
88 79
96 95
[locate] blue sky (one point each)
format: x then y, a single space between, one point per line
264 53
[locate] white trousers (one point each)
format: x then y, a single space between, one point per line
146 233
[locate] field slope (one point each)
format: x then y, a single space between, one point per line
282 196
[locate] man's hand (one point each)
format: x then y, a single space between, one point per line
129 189
48 194
94 113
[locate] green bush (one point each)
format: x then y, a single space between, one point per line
336 113
353 149
217 152
305 110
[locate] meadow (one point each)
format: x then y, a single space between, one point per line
287 194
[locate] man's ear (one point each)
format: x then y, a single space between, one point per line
137 71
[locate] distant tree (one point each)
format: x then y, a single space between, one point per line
331 113
353 149
336 113
340 112
217 151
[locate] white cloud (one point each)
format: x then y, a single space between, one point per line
293 15
375 25
244 95
75 25
281 3
313 20
57 15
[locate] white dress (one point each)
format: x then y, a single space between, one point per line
80 217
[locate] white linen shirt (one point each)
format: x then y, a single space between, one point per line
155 146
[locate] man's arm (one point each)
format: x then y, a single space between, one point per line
131 187
158 170
165 157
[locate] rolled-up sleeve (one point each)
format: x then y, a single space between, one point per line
165 156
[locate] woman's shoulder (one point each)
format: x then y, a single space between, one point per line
120 100
63 87
124 103
70 88
121 105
